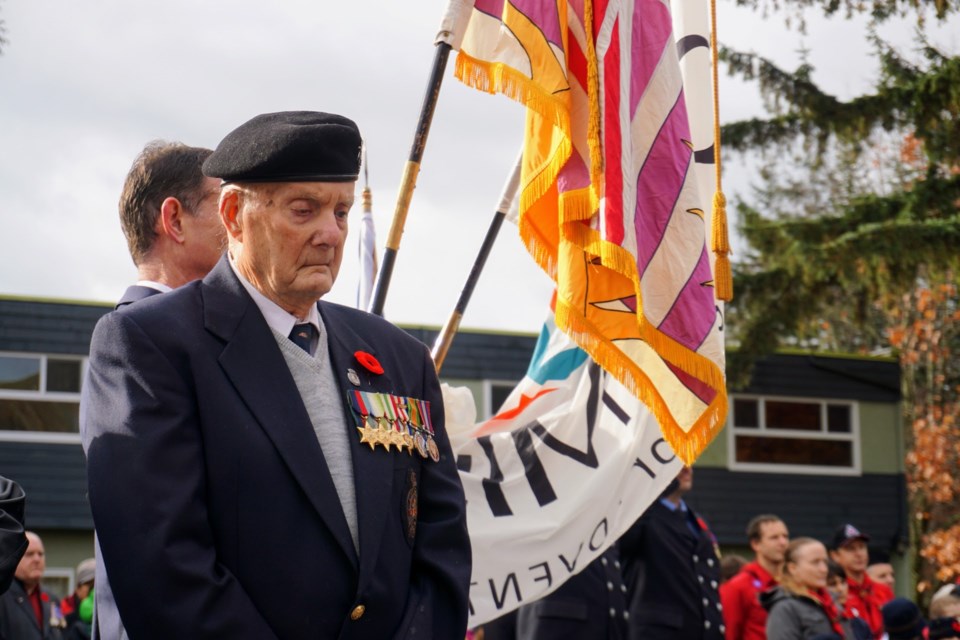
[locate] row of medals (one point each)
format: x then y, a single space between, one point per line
383 435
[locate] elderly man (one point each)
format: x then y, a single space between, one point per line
262 465
25 611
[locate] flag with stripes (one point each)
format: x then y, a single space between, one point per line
609 204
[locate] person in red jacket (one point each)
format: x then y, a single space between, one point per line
743 616
849 550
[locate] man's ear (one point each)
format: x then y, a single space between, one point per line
171 220
230 214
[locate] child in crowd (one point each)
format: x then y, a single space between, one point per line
853 626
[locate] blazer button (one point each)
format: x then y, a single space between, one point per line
357 612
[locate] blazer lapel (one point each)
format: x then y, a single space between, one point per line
372 469
257 369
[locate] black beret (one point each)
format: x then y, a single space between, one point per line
289 146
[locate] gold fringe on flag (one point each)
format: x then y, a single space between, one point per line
575 208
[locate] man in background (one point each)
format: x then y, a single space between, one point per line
849 550
168 212
743 615
25 610
881 571
169 216
671 571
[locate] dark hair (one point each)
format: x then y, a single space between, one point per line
162 170
834 570
756 523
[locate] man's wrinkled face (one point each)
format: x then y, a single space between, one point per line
291 237
33 563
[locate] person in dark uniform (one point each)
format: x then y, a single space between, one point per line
589 606
13 539
671 571
282 463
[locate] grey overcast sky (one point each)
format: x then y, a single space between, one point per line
84 85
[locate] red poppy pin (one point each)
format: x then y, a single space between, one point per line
369 363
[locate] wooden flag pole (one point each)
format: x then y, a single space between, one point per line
442 344
409 181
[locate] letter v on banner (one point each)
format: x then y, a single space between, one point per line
611 209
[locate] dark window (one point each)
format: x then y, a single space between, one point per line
800 451
20 373
37 415
793 433
838 418
803 416
63 375
745 413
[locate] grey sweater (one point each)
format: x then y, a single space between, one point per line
321 397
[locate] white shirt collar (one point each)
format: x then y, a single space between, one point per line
150 284
276 316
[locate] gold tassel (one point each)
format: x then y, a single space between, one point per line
723 275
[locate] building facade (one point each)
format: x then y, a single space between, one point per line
814 439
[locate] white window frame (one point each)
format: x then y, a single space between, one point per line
59 573
43 396
803 469
488 385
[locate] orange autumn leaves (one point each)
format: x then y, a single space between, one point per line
926 332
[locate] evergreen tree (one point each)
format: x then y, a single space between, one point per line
853 237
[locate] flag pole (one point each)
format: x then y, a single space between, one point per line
442 344
367 245
450 35
409 180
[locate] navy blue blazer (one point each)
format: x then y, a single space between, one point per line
589 606
215 511
672 576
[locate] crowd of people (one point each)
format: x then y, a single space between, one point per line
675 586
